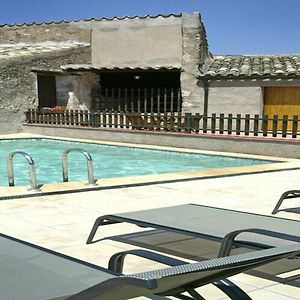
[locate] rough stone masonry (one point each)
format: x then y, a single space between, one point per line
48 46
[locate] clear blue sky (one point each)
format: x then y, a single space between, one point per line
233 26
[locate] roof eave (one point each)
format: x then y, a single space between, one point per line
179 15
249 77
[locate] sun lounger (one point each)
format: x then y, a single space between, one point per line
286 195
31 272
224 225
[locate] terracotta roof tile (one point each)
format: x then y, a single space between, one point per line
94 19
89 67
236 66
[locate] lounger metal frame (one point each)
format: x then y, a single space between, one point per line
286 195
116 264
174 281
227 239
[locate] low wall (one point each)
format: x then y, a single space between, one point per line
278 147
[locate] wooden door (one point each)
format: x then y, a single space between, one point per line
282 101
46 91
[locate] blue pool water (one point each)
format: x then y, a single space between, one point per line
108 161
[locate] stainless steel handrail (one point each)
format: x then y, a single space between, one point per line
10 169
89 159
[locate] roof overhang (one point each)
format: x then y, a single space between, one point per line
97 69
47 71
249 77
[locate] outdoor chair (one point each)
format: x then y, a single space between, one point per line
139 121
32 272
136 120
153 122
286 195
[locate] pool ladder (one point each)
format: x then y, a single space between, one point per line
32 172
90 169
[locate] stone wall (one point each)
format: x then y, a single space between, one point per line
83 85
18 87
35 33
18 90
159 41
79 86
64 84
195 52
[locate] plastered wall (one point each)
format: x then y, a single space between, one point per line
137 42
235 100
241 96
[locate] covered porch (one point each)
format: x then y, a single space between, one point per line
148 89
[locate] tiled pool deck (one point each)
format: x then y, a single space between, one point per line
62 222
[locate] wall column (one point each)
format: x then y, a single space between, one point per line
195 51
83 85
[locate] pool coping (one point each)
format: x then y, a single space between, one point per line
280 164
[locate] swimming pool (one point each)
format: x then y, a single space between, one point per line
108 160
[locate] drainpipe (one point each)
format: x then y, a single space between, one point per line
206 90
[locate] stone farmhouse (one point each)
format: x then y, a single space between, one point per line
148 63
